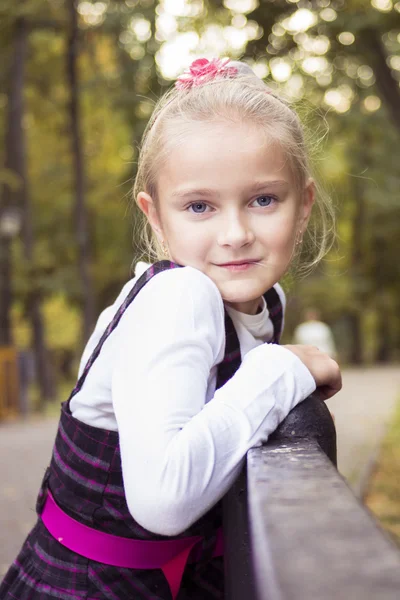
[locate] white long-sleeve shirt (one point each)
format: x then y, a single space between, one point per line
182 442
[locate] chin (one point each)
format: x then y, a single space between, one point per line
241 291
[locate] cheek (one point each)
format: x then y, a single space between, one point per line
279 234
186 240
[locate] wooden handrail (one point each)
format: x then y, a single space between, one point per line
294 529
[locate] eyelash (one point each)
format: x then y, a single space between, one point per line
273 198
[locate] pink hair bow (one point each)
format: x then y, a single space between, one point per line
202 71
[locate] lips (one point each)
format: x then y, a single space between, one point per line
237 266
234 263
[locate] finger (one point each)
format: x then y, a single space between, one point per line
324 392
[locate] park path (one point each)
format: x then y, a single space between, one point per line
362 410
25 450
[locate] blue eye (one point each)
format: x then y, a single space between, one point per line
264 201
198 207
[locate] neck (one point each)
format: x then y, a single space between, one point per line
251 307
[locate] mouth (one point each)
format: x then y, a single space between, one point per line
238 265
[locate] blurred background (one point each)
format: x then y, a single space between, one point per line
78 82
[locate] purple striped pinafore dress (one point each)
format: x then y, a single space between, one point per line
85 479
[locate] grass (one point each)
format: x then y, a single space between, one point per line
383 494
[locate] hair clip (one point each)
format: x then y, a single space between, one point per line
203 70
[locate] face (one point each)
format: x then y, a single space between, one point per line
227 205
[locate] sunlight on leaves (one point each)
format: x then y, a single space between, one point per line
328 14
346 38
280 69
382 5
301 20
182 8
241 6
317 45
394 62
314 64
174 56
141 28
339 98
372 103
93 13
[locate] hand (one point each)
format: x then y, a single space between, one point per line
322 367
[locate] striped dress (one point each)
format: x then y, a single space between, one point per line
85 478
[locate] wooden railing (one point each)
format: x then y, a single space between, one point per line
293 528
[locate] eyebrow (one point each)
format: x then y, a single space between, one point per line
207 192
269 184
194 192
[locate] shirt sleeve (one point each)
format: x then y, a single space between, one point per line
180 453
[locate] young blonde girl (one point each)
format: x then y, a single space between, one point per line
183 374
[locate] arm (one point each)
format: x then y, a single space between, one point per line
179 453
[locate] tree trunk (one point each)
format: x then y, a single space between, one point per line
384 349
358 229
356 347
12 194
44 366
386 83
384 312
16 161
5 291
80 208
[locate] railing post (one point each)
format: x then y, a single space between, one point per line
237 552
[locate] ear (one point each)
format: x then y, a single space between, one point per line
308 201
147 205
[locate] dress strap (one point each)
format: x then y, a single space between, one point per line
232 358
274 306
158 267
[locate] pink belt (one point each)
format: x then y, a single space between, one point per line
170 556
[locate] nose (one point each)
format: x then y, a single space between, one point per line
235 231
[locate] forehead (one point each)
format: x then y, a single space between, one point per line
221 154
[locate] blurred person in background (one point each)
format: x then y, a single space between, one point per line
314 332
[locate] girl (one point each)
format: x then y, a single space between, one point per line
183 374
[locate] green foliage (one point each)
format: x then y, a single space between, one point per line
62 323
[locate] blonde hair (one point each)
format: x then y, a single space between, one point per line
242 98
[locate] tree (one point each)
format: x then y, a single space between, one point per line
81 220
